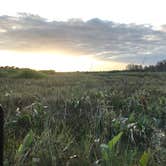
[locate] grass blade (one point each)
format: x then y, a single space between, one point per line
144 158
114 140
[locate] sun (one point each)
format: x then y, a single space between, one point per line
65 63
55 61
58 62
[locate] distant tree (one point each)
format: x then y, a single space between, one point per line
133 67
150 68
160 67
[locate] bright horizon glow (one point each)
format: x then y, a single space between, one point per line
59 63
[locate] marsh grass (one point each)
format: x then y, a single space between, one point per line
72 114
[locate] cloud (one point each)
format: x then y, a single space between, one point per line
103 39
163 28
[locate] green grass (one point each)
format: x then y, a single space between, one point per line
65 118
10 72
27 73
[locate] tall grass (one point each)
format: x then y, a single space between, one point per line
68 119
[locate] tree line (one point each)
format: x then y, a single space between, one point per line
159 67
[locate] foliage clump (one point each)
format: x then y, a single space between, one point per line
85 119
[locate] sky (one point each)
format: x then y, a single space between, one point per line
80 35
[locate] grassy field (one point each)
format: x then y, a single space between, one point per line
84 119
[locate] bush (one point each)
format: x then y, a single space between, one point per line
28 73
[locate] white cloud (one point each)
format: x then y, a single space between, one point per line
127 11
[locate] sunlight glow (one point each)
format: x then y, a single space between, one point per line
60 63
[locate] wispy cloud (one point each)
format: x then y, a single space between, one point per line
104 39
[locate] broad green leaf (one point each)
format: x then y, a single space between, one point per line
26 143
114 140
144 158
20 148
